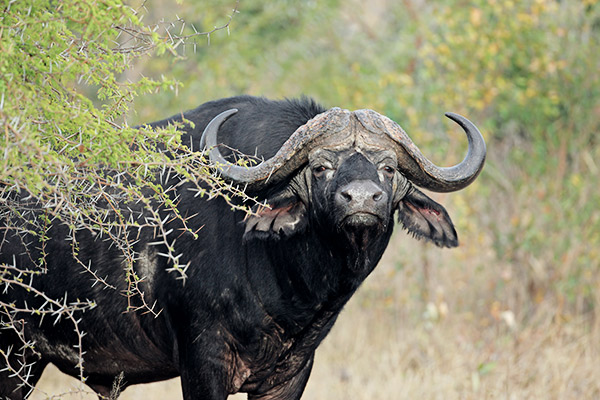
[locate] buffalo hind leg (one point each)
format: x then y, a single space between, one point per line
289 390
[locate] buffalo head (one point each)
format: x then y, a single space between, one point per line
348 172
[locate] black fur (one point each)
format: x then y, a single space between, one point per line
262 291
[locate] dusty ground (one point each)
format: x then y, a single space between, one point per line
435 328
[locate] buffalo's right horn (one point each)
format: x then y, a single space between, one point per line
292 154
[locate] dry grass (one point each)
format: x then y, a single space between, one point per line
438 327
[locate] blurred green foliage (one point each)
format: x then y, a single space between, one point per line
48 48
526 72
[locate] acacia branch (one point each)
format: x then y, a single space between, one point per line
147 42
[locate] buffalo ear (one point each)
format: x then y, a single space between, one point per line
425 218
277 221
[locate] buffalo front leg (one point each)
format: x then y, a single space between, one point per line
205 367
203 380
291 389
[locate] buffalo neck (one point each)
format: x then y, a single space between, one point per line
314 273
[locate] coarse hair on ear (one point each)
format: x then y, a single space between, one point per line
279 219
424 218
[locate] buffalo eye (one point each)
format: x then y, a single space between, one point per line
319 170
388 170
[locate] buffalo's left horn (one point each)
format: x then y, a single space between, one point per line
462 174
454 178
417 168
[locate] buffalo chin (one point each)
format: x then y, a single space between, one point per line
361 228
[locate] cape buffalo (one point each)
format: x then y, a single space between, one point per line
262 289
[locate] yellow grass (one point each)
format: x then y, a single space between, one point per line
435 328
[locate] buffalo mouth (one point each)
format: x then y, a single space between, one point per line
361 219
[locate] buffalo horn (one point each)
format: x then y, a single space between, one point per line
416 167
450 179
293 152
290 156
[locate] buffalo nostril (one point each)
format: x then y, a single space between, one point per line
378 196
346 196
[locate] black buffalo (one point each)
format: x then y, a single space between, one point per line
263 290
